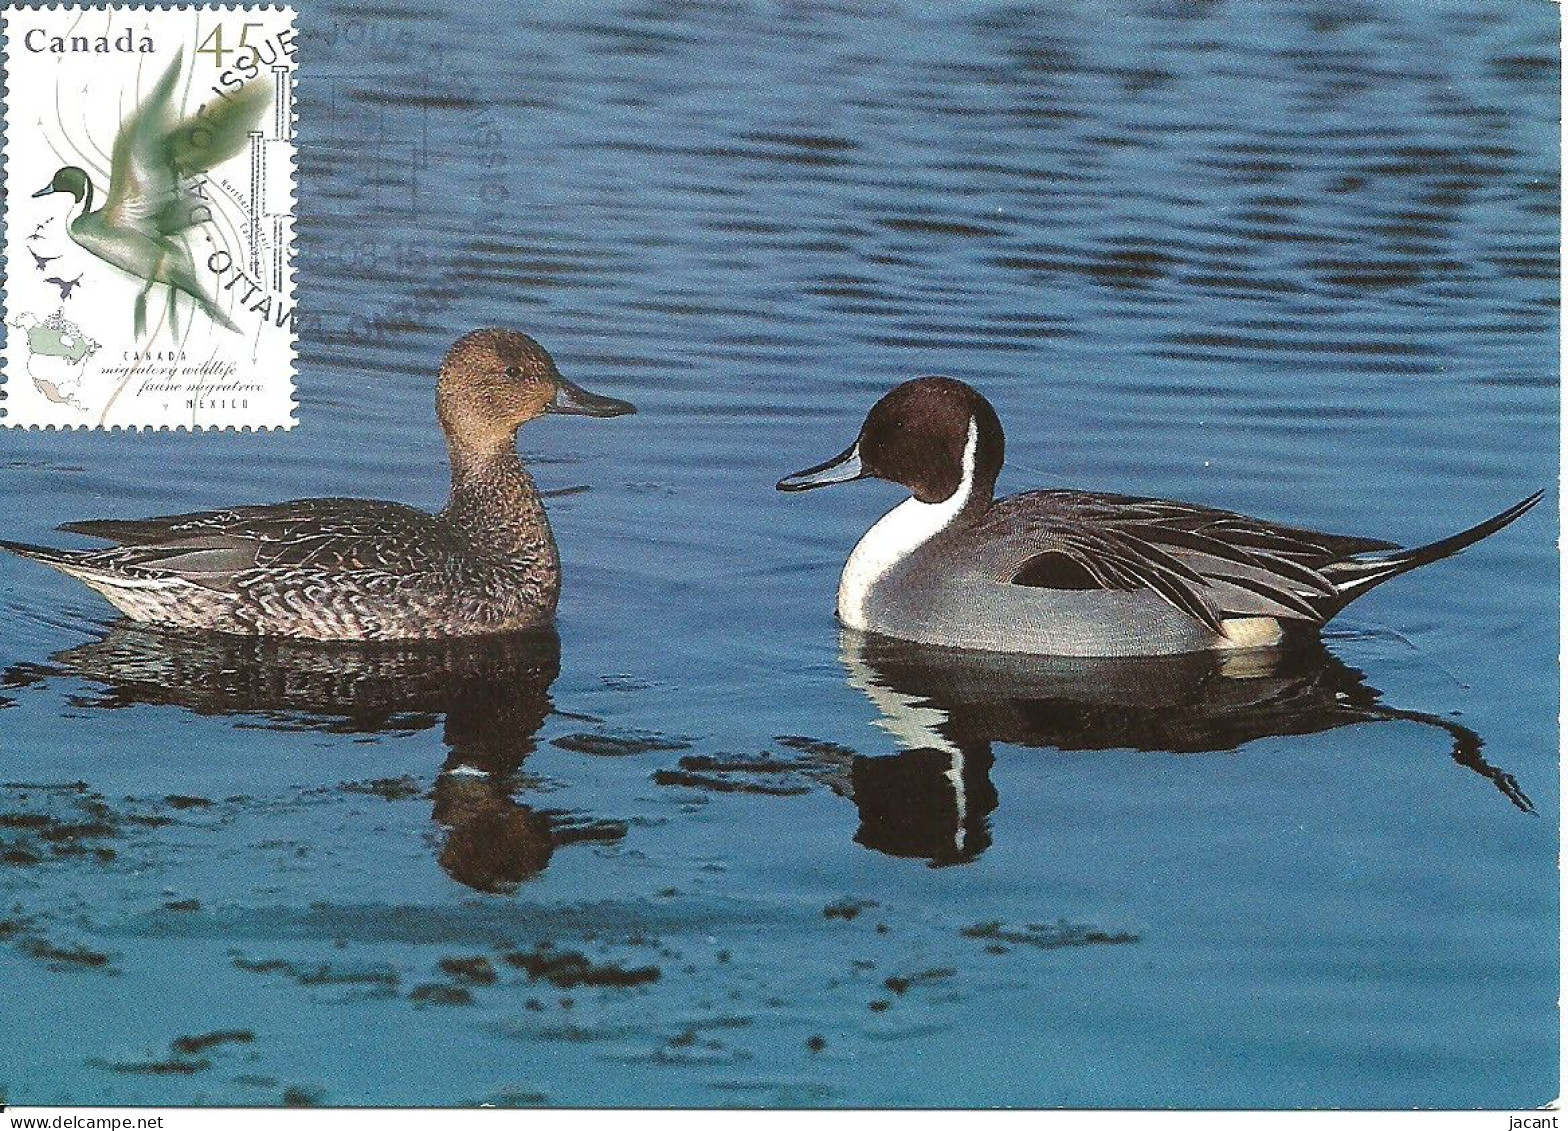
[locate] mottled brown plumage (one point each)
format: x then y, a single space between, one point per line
356 569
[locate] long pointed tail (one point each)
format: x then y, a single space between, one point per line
184 282
1355 576
216 313
50 557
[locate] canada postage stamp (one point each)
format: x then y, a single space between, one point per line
149 212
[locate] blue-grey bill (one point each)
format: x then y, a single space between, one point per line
840 469
45 191
573 400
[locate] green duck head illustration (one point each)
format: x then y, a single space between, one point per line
69 179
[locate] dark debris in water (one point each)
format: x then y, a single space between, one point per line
735 763
326 975
1053 936
903 983
709 1052
690 1047
62 820
569 968
720 784
738 773
579 828
476 969
321 973
172 1066
515 1098
102 855
26 675
441 993
390 789
816 747
847 909
62 831
64 957
190 1045
26 821
618 745
183 1058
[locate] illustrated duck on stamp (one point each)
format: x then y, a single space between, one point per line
356 569
149 203
1076 573
67 286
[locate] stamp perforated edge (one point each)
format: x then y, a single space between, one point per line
291 419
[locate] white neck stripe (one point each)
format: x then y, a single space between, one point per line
896 535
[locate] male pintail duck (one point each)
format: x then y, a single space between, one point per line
354 569
149 200
1076 573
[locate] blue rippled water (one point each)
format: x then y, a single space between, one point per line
1295 259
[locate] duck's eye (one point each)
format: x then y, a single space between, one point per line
514 372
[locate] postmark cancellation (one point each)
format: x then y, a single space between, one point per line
149 213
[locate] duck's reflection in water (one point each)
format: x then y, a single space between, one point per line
490 696
946 708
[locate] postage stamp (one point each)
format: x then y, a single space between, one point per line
149 213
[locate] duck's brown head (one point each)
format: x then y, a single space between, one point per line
493 381
933 435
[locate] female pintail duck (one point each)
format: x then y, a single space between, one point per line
354 569
149 203
1075 573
